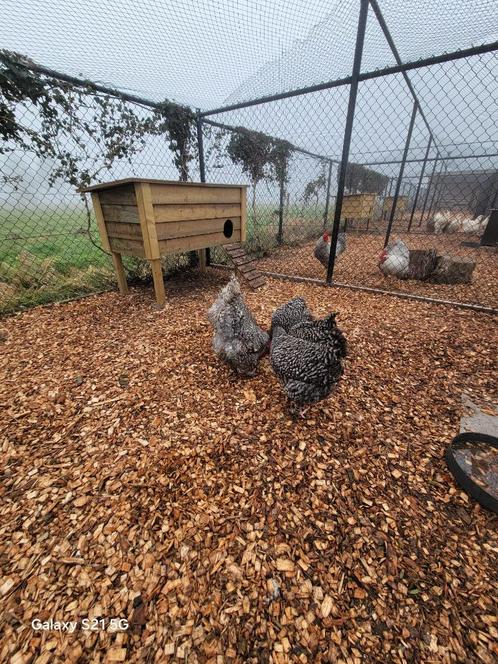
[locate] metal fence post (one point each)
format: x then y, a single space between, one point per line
327 200
419 185
400 174
200 147
438 187
493 198
280 234
429 186
202 165
348 130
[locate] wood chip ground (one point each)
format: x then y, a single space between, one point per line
142 480
359 265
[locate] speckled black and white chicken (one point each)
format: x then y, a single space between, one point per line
323 245
308 360
292 312
238 340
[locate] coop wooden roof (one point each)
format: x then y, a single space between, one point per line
117 183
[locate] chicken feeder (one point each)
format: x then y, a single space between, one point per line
152 218
472 459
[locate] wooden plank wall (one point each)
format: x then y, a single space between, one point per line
400 206
190 218
185 218
358 206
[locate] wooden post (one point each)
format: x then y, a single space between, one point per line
149 233
157 276
202 260
120 273
99 216
116 257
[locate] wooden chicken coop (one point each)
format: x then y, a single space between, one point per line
357 207
400 206
152 218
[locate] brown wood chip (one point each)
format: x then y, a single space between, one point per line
187 502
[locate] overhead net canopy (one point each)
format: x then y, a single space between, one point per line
426 132
207 53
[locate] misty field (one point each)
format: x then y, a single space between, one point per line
57 234
49 256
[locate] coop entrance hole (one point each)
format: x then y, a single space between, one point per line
228 228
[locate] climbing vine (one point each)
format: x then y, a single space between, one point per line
260 157
362 180
83 130
314 187
279 159
178 122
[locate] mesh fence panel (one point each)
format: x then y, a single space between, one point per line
446 190
205 52
49 246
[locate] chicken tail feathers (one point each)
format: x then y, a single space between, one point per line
227 295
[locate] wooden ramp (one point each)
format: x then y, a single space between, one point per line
244 265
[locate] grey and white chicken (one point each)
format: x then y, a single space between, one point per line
292 312
395 259
308 360
322 247
238 340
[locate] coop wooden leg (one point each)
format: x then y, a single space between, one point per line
202 260
120 273
157 276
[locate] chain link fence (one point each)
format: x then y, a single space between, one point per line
406 205
443 192
50 247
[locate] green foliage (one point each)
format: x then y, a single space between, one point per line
279 158
259 155
74 122
251 150
314 187
362 180
178 123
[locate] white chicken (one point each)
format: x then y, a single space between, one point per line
395 259
456 222
441 222
322 247
475 226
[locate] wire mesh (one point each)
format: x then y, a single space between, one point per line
446 190
205 52
50 247
287 150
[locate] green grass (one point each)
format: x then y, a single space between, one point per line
58 234
48 256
